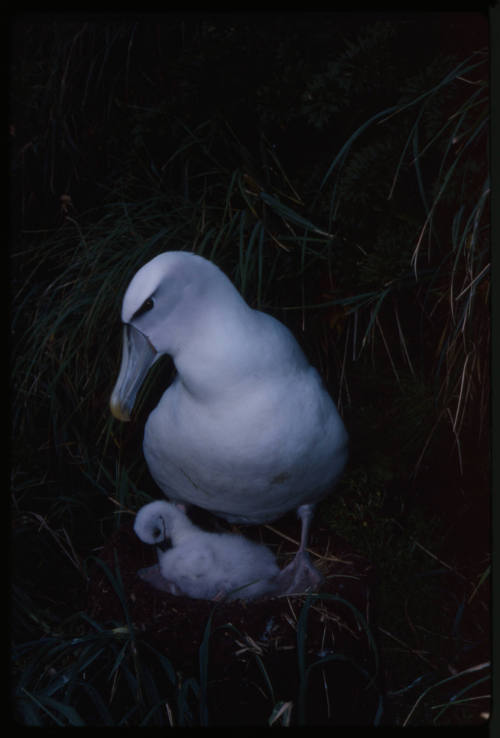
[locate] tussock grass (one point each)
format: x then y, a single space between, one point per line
305 670
457 266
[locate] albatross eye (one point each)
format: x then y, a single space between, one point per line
146 306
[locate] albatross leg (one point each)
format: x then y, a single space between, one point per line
300 575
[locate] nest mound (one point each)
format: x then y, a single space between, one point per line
255 647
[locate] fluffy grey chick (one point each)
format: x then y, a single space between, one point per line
200 564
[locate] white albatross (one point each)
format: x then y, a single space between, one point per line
203 565
247 429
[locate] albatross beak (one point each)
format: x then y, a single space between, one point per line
137 358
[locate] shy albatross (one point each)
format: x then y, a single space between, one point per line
247 429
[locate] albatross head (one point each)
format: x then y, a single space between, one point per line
145 303
172 306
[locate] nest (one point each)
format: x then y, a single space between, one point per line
256 648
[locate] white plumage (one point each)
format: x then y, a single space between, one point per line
204 565
247 429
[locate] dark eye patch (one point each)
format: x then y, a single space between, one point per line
146 306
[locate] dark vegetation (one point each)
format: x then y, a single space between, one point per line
336 167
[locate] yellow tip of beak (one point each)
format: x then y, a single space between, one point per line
118 411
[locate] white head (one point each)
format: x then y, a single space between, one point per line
183 305
166 297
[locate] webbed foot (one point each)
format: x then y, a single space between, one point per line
299 576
